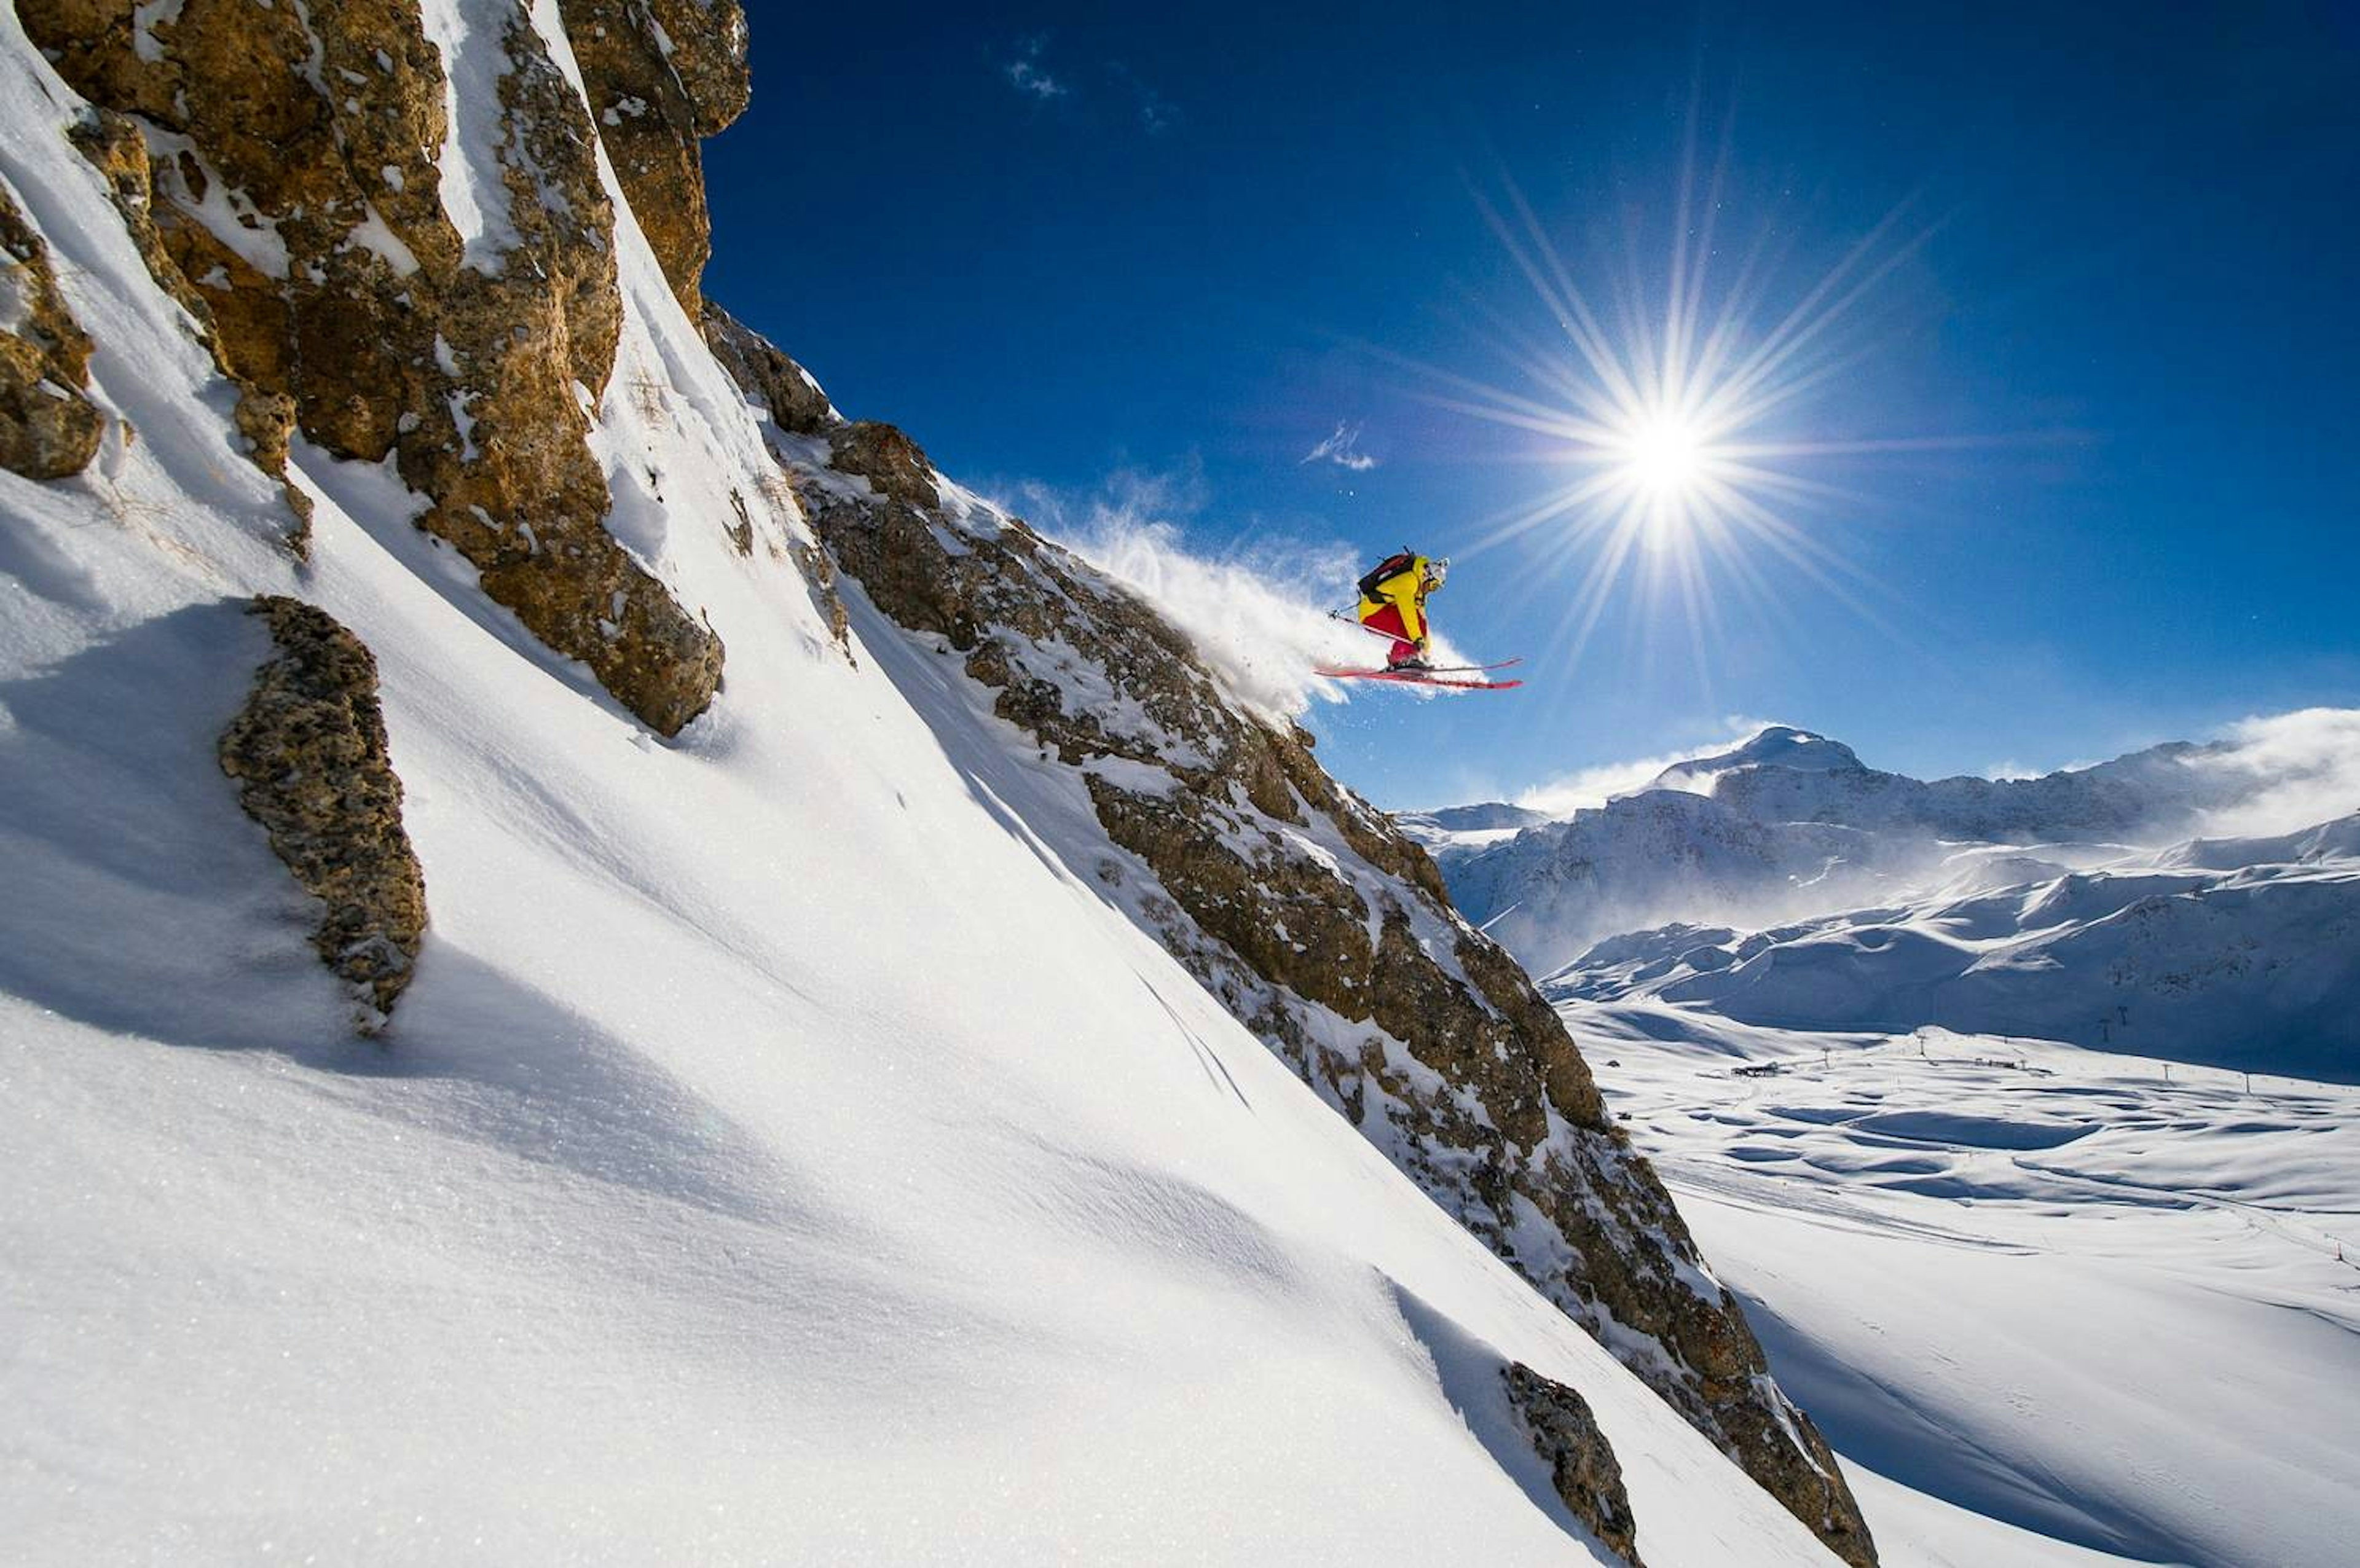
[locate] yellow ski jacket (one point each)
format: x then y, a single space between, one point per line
1406 591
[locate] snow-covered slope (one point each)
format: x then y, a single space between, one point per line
2090 1306
1790 824
787 1150
1784 773
2237 953
1774 745
1209 823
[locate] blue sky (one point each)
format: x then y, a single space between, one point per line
1060 246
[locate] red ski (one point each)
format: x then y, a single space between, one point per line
1426 676
1442 677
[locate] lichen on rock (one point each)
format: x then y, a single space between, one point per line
795 401
266 420
48 428
1582 1467
310 754
660 75
887 458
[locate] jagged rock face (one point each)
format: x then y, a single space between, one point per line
296 156
48 429
796 404
1581 1463
308 752
1328 934
885 457
266 420
660 74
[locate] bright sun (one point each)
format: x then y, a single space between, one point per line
1664 455
1675 428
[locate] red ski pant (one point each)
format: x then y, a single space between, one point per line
1387 618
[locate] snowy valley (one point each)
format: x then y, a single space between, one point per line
2027 1130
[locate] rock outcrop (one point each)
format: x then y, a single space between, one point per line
795 404
48 428
885 457
266 420
308 752
661 74
298 160
1558 1421
1325 930
795 401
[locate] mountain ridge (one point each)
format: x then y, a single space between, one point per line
2239 953
1790 822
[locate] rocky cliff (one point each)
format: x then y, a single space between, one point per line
1315 920
393 219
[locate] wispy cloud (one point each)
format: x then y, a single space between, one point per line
1343 450
1596 785
2304 768
1156 112
1026 73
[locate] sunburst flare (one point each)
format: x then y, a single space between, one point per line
1678 423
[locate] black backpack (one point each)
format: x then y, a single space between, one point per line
1391 566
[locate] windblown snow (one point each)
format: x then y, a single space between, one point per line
1265 616
1791 825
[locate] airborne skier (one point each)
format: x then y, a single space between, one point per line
1393 604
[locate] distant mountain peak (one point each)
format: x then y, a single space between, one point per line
1774 745
1788 823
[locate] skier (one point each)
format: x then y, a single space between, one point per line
1392 606
1392 603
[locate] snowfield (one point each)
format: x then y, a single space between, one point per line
2108 1300
2037 1159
